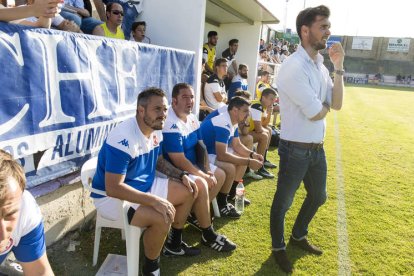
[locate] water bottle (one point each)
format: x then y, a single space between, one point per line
239 202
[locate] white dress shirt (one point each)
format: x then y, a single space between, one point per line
303 85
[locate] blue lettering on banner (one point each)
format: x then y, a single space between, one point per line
62 92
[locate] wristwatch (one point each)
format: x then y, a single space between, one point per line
339 72
183 173
251 154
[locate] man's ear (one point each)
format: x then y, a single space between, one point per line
305 30
140 109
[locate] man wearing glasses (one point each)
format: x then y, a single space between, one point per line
112 27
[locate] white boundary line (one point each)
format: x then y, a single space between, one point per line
344 262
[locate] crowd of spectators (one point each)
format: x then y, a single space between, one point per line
117 19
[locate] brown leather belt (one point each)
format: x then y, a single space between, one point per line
311 146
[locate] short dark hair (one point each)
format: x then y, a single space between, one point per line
233 41
136 24
237 102
211 33
307 17
145 95
242 65
10 168
269 91
243 93
219 61
178 87
264 73
109 6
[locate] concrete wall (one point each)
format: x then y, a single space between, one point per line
64 210
177 24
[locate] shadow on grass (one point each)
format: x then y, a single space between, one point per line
270 267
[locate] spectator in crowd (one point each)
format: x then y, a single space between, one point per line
126 170
42 8
261 112
261 44
276 55
263 60
181 138
57 22
21 230
262 84
221 137
209 52
112 27
75 11
284 55
214 90
131 9
138 32
306 95
230 55
239 81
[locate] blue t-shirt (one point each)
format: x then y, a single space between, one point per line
218 129
27 240
180 136
128 152
238 83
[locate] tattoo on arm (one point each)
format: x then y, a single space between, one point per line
165 167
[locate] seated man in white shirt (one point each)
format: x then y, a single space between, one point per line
214 90
21 222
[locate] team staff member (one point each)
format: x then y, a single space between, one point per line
306 95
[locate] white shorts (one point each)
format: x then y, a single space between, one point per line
212 158
110 208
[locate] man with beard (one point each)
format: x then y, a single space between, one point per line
126 170
214 90
112 27
306 95
209 52
181 136
221 137
239 81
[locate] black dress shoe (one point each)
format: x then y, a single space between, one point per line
305 245
283 261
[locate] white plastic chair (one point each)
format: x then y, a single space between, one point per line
132 233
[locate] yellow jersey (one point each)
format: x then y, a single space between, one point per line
119 33
257 113
209 55
260 86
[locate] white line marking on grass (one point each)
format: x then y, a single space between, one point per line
344 263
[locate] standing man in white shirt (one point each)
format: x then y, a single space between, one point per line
306 95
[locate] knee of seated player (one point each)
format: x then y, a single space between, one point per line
201 185
178 193
146 216
220 176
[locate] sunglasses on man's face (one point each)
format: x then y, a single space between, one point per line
118 12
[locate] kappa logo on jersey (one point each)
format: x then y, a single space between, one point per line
228 126
124 143
174 126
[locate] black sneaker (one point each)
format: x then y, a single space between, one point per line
263 172
220 244
183 250
229 211
269 164
192 220
246 201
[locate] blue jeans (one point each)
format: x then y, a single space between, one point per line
297 164
86 24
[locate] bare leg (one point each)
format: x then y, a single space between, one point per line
230 172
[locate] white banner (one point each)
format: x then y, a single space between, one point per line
398 45
362 42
